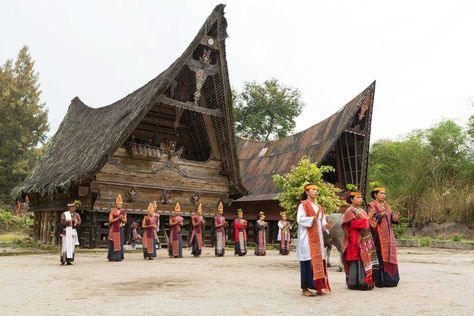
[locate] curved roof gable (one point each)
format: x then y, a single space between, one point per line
259 161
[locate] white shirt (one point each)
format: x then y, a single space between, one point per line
305 222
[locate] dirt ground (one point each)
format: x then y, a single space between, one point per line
433 282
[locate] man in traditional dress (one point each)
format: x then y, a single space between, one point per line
175 247
117 221
70 220
310 249
195 241
220 224
240 234
382 218
148 239
284 237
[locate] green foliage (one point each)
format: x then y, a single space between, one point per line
23 123
351 187
429 175
425 241
267 111
400 229
293 182
9 222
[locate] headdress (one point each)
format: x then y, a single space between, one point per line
310 186
77 203
220 207
199 209
155 205
261 214
118 199
282 213
376 186
177 207
240 212
150 207
352 188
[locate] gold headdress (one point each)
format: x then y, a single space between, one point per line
310 186
220 207
118 199
352 189
240 212
155 206
282 213
177 207
199 209
150 207
77 203
261 214
376 186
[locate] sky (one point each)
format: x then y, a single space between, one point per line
420 52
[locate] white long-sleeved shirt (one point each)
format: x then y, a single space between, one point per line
280 226
305 222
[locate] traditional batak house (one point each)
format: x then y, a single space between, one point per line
341 141
171 140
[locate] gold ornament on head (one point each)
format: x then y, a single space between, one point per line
310 187
261 214
282 214
240 212
155 206
150 207
177 207
220 207
199 209
119 199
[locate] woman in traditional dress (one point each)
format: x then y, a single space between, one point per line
148 239
382 218
310 250
284 234
117 218
358 248
175 246
261 236
240 234
220 224
195 242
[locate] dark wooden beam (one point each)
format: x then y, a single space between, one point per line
190 106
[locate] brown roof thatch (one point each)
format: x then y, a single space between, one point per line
88 137
259 161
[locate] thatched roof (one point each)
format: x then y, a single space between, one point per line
259 161
88 137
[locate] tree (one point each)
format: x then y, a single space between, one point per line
23 121
429 174
294 181
267 111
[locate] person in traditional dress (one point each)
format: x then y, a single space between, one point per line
220 224
382 218
358 249
148 239
70 220
284 237
261 236
175 247
240 234
155 206
116 237
310 249
135 237
195 241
